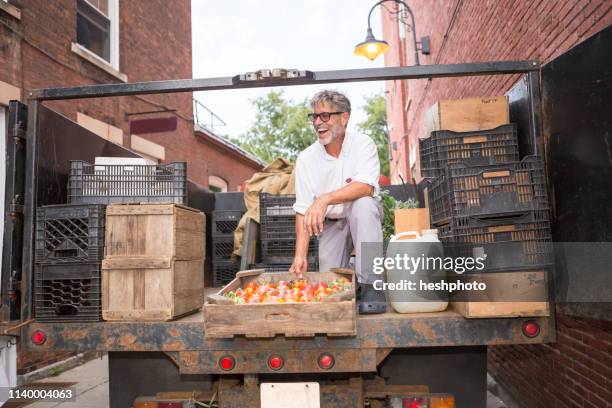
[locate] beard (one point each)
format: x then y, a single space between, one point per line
333 134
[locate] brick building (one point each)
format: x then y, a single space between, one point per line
574 371
82 42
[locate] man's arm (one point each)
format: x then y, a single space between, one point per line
300 260
315 215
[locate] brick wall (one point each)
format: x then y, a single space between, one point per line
472 31
155 44
576 370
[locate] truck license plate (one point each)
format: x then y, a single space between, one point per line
290 395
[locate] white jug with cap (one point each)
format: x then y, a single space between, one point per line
413 245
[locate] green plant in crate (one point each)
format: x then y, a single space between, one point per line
390 204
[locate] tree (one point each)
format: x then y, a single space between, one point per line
375 126
281 128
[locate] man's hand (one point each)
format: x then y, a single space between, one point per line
315 215
299 266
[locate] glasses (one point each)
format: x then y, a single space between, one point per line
325 116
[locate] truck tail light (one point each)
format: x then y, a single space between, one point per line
39 337
276 362
227 363
423 401
326 361
531 328
415 402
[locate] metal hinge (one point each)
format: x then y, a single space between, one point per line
19 131
267 74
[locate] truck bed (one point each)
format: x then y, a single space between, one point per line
388 330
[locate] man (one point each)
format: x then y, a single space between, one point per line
336 185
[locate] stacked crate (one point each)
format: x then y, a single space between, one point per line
154 261
127 183
70 237
277 233
68 250
483 200
487 203
224 223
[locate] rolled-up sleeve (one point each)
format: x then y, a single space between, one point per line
304 194
368 170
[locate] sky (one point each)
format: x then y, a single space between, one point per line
239 36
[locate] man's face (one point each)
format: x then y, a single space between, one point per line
334 127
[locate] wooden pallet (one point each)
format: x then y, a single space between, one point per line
334 316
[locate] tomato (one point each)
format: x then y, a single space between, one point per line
300 290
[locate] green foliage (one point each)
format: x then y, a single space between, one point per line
375 126
281 128
390 204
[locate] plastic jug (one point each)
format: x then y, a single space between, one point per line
422 246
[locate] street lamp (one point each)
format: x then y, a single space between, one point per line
372 48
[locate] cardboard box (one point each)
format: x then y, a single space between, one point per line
464 115
510 294
411 219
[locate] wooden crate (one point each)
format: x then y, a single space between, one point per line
510 288
464 115
170 230
151 288
411 219
335 316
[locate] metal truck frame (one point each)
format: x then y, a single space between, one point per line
183 340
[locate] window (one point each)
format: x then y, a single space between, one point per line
98 28
217 184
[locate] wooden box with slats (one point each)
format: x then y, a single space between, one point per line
334 316
153 267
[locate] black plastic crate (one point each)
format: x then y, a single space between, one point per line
67 293
276 216
69 233
513 243
444 148
224 272
488 191
277 250
122 183
275 205
281 226
230 201
224 223
222 248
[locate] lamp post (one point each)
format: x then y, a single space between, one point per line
372 48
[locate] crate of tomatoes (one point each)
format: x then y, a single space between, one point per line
261 304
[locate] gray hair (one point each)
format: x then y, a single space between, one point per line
335 98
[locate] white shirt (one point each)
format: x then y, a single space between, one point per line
318 173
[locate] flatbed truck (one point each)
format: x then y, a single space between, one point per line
391 354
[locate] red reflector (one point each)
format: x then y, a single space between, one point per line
39 337
276 362
415 402
326 361
227 363
169 405
531 328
